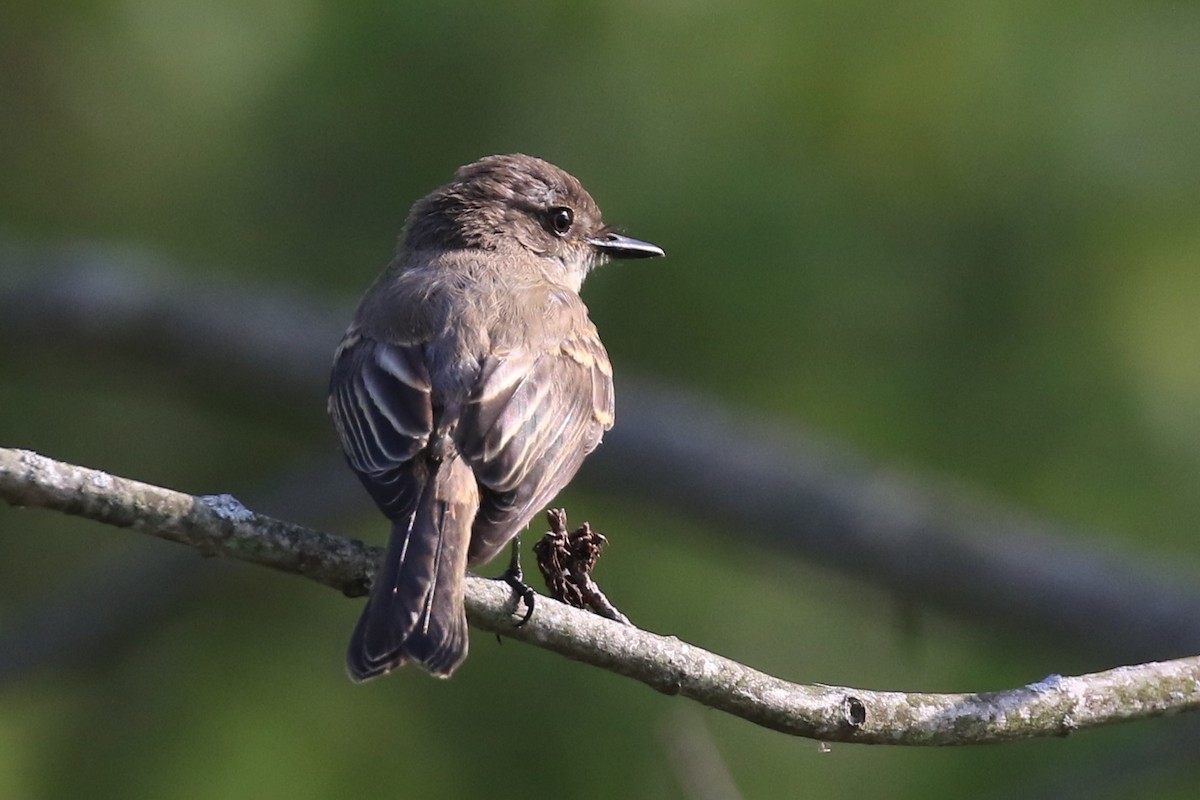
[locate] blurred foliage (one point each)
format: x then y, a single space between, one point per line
962 236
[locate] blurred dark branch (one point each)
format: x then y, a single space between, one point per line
928 545
258 337
221 526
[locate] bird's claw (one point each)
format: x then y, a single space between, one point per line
523 591
514 577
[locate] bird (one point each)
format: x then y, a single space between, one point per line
468 389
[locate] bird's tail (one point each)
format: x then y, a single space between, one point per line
415 611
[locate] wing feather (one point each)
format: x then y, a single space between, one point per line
526 429
382 410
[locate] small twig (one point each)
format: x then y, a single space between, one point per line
1055 706
699 768
566 561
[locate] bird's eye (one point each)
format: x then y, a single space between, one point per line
561 220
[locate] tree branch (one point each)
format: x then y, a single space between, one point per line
103 601
221 526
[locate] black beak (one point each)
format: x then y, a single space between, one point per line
618 246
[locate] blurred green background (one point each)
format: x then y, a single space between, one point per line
961 237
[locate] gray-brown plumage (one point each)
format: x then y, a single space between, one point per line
468 390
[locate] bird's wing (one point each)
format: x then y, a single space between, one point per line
379 398
532 417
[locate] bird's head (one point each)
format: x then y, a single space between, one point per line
515 203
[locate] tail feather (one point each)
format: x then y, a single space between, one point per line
415 611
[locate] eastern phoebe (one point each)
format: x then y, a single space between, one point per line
468 390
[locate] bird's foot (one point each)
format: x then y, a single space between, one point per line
514 577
